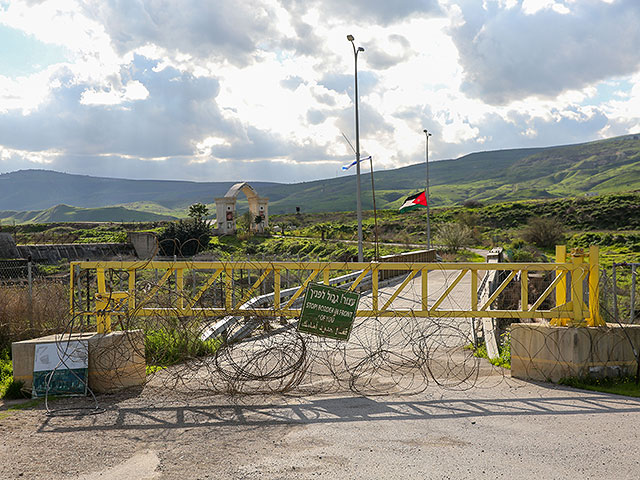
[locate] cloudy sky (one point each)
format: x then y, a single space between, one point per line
263 89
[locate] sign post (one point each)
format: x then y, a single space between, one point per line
328 311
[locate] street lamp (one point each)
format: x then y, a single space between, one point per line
426 154
358 200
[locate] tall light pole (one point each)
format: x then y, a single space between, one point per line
426 155
358 189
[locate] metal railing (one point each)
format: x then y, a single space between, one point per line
184 285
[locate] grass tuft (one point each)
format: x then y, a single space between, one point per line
503 360
164 347
10 389
618 385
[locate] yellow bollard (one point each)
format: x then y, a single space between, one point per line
561 288
103 320
577 289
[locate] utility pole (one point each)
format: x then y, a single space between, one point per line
426 192
358 188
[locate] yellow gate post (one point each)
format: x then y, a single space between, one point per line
561 288
577 289
103 321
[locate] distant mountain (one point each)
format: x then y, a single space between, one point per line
603 166
65 213
42 189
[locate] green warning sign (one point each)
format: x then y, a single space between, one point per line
328 311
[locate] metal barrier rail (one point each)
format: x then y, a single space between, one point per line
570 306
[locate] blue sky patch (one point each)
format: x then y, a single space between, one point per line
22 54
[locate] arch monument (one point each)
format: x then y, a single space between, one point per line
226 209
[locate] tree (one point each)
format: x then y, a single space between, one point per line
471 203
186 238
198 211
243 223
544 232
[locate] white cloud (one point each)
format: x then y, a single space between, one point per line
508 55
37 159
228 88
531 7
134 90
25 94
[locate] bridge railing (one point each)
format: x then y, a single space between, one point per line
211 289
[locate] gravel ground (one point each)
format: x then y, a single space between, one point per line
500 428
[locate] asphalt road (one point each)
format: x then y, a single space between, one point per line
501 428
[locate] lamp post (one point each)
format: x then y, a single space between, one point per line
426 155
358 189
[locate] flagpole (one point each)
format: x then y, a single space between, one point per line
426 154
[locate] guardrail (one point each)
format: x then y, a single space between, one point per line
140 298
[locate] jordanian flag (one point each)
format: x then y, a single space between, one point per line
419 200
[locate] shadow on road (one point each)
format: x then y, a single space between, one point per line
336 410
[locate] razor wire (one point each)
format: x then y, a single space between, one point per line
257 354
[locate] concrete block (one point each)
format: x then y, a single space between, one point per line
549 353
145 244
116 359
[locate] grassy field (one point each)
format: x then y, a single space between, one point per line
611 221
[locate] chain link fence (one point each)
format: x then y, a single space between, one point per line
32 302
619 295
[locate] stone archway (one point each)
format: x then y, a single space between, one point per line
226 209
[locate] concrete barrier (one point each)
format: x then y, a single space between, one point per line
145 244
116 359
8 247
550 353
417 256
75 251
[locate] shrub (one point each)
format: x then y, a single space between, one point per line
471 203
519 252
454 236
504 358
9 388
544 232
13 390
469 219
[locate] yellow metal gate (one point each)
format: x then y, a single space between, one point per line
126 288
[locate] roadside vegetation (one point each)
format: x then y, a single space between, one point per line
504 358
611 221
627 386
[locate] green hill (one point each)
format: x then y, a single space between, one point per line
604 166
65 213
42 189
